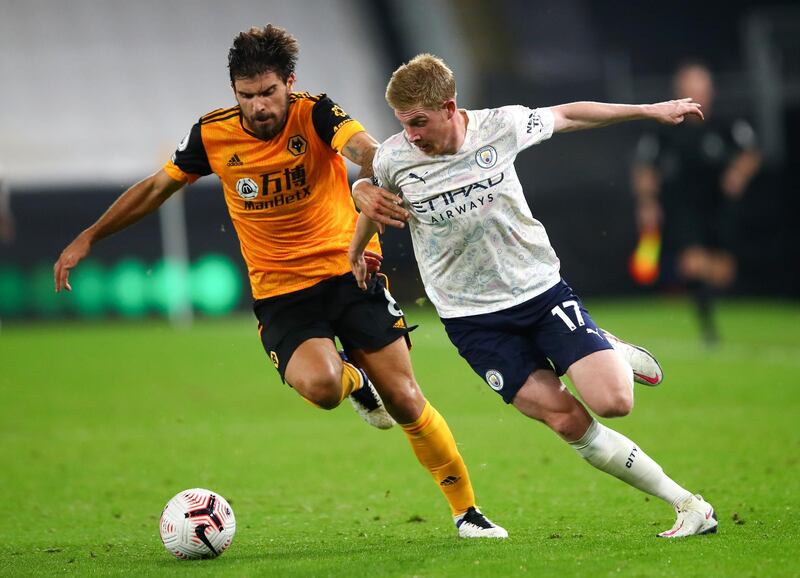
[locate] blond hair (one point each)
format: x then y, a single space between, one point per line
424 81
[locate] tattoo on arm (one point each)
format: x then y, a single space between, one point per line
361 149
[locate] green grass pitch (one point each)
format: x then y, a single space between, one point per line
101 423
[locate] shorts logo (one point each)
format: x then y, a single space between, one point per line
495 379
247 188
274 357
392 305
486 157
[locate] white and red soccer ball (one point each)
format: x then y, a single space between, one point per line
197 523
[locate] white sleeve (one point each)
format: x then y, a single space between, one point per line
533 125
380 168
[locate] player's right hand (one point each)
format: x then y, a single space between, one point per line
380 205
70 257
674 111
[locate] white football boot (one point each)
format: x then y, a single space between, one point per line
473 524
367 403
695 517
646 369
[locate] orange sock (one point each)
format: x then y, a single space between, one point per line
351 379
435 448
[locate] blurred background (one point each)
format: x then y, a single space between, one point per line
96 95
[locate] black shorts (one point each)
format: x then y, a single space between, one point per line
506 346
335 307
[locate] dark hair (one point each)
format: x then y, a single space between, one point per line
260 50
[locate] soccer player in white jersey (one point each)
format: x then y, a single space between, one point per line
488 266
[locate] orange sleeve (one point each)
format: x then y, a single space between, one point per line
345 132
176 173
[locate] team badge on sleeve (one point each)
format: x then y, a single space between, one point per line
486 157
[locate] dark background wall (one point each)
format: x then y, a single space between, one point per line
536 54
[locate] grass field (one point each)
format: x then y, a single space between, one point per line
101 424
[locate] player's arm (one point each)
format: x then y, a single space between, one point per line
139 200
740 172
586 115
378 204
363 262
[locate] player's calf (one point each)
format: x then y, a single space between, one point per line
545 398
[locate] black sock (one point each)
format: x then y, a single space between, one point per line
703 298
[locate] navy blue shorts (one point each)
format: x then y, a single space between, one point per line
506 346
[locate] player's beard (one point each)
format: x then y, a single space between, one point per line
268 131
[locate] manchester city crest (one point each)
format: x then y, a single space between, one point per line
486 157
495 379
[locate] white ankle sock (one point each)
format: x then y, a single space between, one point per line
615 454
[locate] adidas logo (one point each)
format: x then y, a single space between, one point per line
399 324
235 161
449 481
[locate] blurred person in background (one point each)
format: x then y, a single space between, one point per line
6 217
687 183
278 155
489 268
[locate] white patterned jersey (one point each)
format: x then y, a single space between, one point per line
478 247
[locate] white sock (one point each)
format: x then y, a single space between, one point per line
615 454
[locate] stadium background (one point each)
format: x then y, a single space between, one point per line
96 94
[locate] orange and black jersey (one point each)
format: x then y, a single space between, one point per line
288 197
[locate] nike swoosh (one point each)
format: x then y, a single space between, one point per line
708 514
672 532
200 532
647 378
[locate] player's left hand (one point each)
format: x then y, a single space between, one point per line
364 265
373 261
675 111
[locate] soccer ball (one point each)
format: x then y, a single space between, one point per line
197 523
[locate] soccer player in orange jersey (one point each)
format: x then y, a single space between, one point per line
277 154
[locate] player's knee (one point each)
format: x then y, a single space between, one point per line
618 402
325 399
324 391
